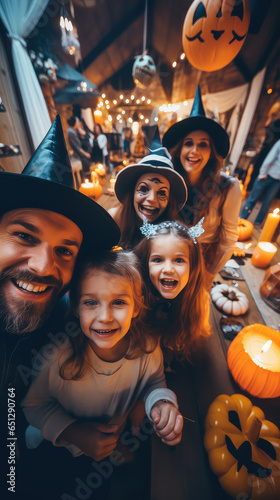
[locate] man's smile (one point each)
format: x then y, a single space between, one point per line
30 287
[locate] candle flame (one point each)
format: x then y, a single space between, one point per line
275 212
100 165
266 346
87 181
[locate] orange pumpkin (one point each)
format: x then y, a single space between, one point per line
98 191
254 366
214 32
243 448
245 229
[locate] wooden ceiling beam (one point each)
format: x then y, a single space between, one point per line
111 37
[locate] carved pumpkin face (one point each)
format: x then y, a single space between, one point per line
243 448
143 71
214 32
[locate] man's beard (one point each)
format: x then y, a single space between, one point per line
22 316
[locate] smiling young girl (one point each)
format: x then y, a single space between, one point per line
150 189
84 394
173 270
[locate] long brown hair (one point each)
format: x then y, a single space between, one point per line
128 220
189 311
118 263
212 182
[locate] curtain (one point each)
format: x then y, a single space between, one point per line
20 17
246 120
218 103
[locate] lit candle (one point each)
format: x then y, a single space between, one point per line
264 353
254 360
87 188
93 176
270 226
111 189
100 170
263 254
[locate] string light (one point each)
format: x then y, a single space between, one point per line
169 107
121 96
143 98
103 96
182 56
174 64
107 102
132 97
115 101
127 101
138 101
149 101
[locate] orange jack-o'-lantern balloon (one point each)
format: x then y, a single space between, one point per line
214 32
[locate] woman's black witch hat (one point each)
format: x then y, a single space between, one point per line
197 121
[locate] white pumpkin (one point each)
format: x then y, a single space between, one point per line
229 300
143 71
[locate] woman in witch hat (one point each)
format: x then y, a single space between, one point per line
151 190
198 145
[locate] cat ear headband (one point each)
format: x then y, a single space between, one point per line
150 230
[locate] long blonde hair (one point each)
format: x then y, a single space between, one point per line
117 263
190 309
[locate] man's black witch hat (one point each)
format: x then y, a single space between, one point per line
47 183
197 121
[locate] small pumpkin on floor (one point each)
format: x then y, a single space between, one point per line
245 229
229 300
243 448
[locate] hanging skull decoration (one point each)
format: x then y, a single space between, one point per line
143 71
214 32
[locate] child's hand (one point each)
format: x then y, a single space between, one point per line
168 422
94 439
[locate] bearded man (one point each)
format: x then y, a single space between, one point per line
44 225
